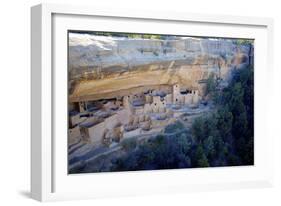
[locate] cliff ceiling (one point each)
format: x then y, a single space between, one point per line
102 66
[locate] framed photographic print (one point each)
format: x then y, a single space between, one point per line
135 102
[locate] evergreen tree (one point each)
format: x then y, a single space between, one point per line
201 158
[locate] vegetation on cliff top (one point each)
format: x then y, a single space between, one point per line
117 34
155 36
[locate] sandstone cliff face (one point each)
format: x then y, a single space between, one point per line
105 67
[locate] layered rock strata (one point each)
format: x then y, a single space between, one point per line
107 67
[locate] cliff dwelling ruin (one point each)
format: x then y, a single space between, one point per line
122 88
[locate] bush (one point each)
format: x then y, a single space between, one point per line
210 85
201 158
176 127
162 152
129 144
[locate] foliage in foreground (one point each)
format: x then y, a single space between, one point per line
162 152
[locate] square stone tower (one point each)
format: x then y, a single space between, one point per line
176 93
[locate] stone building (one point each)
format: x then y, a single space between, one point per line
73 134
154 104
75 119
187 97
132 133
95 131
123 116
130 115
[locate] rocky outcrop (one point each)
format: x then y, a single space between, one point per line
101 67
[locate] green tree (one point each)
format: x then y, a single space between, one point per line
210 85
224 122
201 158
209 147
198 129
184 145
240 124
243 41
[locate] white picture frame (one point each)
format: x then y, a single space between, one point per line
49 178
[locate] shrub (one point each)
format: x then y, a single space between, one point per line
129 144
